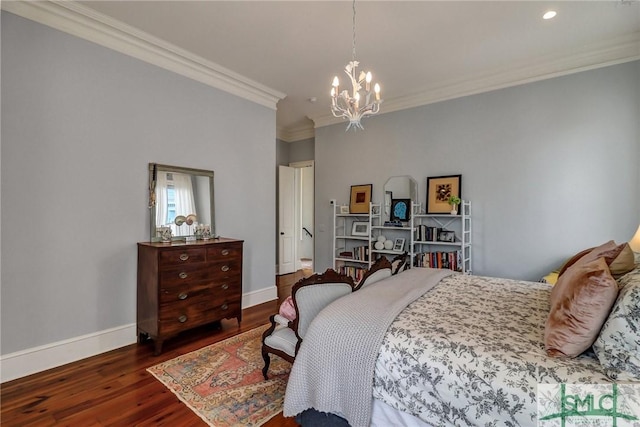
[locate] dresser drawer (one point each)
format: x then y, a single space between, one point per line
189 293
184 274
222 252
181 256
224 269
179 317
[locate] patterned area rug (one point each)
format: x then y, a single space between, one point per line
223 383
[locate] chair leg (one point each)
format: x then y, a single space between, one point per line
267 361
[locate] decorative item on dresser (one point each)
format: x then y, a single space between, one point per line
181 286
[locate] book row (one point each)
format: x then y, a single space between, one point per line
359 253
354 272
451 260
424 233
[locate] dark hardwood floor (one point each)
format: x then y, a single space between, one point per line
114 389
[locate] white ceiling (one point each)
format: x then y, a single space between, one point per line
419 51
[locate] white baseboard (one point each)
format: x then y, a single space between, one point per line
38 359
258 297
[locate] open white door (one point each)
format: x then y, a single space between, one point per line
286 220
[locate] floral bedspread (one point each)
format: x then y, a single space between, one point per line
470 353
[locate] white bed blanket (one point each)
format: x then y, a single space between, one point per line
327 374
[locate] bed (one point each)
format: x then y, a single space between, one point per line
457 350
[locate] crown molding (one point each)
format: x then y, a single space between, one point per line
296 134
83 22
602 54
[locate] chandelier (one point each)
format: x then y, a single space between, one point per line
361 102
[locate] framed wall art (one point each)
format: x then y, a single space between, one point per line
400 210
360 199
439 189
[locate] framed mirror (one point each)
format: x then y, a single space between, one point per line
181 200
398 188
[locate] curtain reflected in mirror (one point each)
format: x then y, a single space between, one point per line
180 199
174 198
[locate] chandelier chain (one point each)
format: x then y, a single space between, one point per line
353 51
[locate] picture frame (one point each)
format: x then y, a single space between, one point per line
344 209
360 228
398 245
400 210
446 236
360 198
439 189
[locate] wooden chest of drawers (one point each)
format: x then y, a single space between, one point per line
181 286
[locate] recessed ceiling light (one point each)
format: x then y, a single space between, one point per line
550 14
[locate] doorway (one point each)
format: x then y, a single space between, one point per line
295 217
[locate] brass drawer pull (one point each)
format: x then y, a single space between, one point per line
224 306
225 252
225 268
183 295
182 319
225 286
184 257
182 275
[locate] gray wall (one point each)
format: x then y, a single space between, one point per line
550 167
80 123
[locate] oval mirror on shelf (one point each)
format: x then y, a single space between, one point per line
180 199
398 188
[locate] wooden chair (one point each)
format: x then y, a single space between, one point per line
310 295
381 269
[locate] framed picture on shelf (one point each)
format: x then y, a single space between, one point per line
344 209
446 236
360 228
360 198
400 210
398 245
439 189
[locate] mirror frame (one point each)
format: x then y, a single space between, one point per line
153 170
414 199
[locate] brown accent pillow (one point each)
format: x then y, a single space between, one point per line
579 308
609 251
623 263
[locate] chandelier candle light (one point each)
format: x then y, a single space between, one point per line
348 105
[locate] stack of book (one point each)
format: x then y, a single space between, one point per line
424 233
451 260
354 272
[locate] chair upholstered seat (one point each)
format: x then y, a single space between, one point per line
283 338
309 296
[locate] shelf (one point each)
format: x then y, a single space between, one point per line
430 242
382 251
351 260
383 227
363 238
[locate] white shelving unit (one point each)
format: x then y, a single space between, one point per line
428 242
393 232
359 247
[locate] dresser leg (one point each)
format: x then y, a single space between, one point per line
157 347
142 337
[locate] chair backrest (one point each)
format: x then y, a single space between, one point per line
381 269
314 293
399 263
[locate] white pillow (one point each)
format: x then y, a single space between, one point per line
618 345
